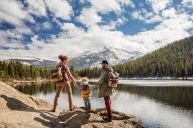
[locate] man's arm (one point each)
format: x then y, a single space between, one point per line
93 86
102 78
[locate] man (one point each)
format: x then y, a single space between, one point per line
104 90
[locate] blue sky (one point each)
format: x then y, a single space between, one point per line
46 28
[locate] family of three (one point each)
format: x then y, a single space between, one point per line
104 91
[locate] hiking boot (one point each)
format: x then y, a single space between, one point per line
53 110
73 107
107 119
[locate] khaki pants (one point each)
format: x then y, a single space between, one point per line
59 87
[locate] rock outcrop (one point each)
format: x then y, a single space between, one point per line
18 110
81 119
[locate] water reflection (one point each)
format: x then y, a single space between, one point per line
176 96
157 107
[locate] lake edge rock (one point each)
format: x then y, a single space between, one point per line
21 110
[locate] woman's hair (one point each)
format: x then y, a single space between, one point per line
62 57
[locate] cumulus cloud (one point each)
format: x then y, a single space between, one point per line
145 16
46 25
13 11
159 5
169 13
36 7
187 3
89 17
60 8
73 39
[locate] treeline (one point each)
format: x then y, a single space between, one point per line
17 70
173 60
89 72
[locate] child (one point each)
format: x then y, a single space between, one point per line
85 91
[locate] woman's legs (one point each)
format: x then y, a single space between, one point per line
69 92
58 91
108 106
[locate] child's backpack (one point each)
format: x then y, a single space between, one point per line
56 74
113 79
86 92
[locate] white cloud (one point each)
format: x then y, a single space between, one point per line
113 24
159 5
188 3
166 32
11 44
146 17
89 17
46 25
137 15
154 19
36 7
106 6
13 12
172 25
60 8
169 13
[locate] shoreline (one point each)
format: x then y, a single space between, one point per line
153 82
152 78
26 111
15 83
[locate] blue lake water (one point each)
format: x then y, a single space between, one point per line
157 105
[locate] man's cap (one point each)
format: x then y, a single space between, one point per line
104 62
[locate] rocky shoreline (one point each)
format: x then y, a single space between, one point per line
18 110
15 83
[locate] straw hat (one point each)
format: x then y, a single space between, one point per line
84 80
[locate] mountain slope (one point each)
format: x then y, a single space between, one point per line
173 60
28 60
93 58
37 62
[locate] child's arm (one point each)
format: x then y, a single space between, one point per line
77 85
93 86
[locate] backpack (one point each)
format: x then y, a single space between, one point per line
113 79
56 74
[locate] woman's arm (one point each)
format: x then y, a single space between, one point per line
77 86
69 74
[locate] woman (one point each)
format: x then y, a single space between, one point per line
104 90
65 83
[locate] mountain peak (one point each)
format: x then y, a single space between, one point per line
93 58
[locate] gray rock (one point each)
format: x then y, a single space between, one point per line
81 119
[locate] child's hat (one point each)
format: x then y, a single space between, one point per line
84 80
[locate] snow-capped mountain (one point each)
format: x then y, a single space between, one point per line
85 59
93 58
28 60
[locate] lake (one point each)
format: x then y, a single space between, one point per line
158 103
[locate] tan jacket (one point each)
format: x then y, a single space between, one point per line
66 72
104 89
